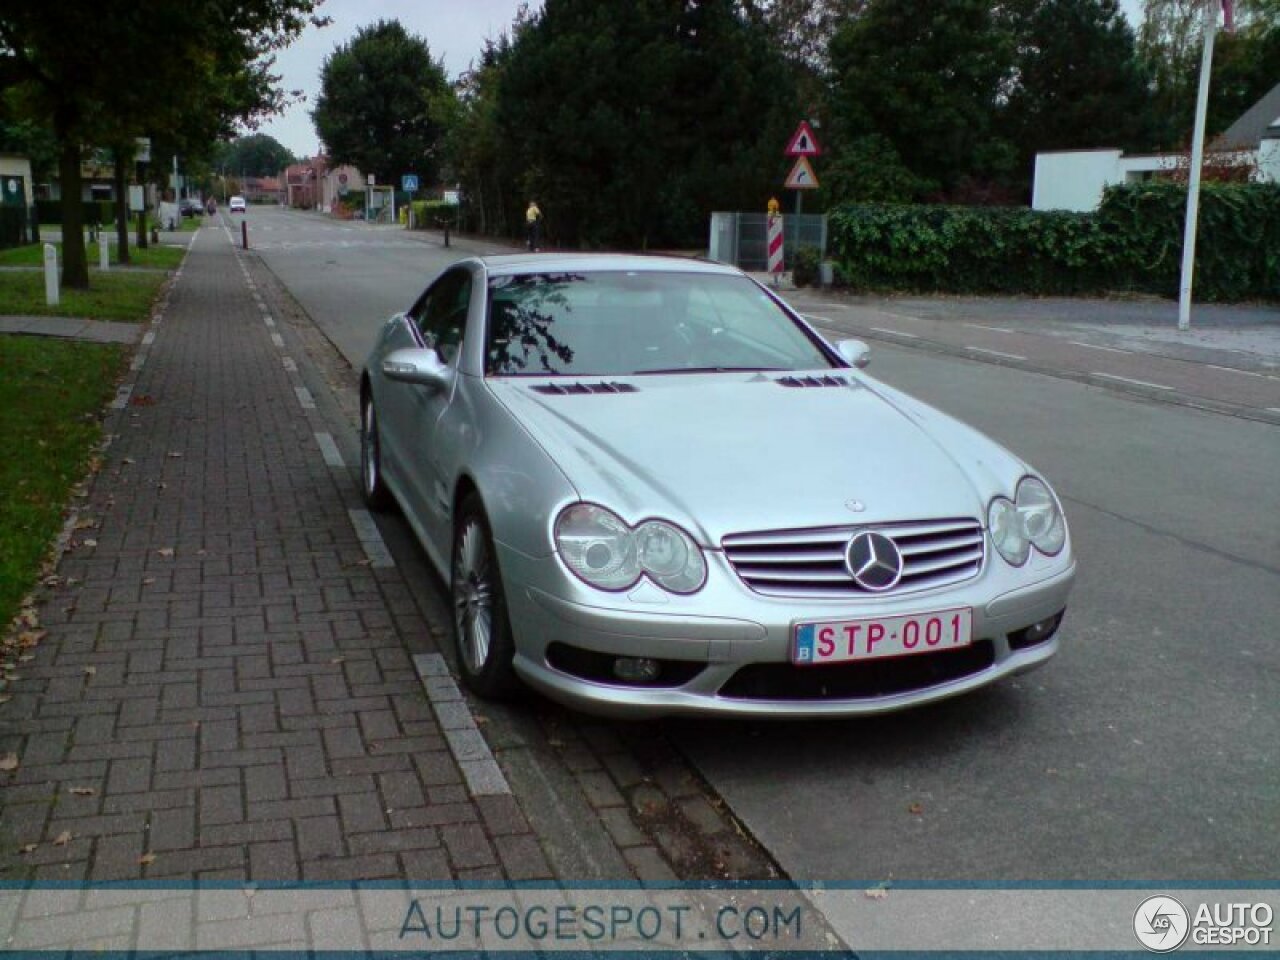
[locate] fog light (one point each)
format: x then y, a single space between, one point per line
1036 633
636 669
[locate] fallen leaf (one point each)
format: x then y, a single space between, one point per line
147 859
26 658
141 400
88 543
916 809
86 524
9 762
29 638
90 671
83 791
5 698
128 460
876 893
148 581
62 839
27 847
175 455
338 660
165 552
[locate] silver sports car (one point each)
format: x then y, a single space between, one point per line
653 488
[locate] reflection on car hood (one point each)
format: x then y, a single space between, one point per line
727 453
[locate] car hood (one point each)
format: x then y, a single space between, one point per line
727 453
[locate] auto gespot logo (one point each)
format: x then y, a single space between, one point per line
1162 924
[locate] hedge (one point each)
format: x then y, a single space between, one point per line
95 212
429 214
1133 242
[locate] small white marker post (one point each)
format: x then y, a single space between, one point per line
51 274
104 251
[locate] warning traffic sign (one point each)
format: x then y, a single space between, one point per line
802 176
803 143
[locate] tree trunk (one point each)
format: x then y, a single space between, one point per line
122 158
75 266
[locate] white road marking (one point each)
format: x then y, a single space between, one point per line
304 397
375 548
995 353
122 397
1243 373
896 333
467 744
148 338
987 326
1094 346
1139 383
815 318
268 321
139 359
329 450
1273 409
289 364
277 340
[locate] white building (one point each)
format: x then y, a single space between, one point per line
1075 179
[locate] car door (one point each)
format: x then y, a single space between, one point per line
437 322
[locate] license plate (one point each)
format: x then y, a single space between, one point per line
839 641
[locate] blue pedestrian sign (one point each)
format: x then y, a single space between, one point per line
409 182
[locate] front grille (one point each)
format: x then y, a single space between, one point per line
858 681
810 563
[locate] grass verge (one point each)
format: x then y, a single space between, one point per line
32 255
51 395
112 296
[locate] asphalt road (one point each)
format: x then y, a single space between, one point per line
1146 750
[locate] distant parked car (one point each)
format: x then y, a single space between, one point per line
237 205
190 207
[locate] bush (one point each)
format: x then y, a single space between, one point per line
804 266
1133 242
433 214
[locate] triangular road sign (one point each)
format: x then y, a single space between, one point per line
803 143
802 176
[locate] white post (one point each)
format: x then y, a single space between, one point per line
104 251
51 274
1197 160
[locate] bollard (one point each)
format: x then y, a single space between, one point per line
104 251
50 274
244 234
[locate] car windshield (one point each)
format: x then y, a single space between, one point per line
619 323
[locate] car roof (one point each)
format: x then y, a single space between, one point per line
586 262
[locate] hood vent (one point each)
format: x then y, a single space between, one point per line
823 381
560 389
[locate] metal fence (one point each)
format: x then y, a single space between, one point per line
740 238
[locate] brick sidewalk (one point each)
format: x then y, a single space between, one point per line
224 691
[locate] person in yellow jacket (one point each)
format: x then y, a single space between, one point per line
533 225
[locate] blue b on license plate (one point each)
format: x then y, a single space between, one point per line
839 641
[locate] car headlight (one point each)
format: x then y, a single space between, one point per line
1032 518
598 546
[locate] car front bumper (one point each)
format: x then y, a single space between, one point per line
743 640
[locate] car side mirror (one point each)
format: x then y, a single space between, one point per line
855 351
423 367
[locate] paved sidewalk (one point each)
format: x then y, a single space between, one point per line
224 691
73 328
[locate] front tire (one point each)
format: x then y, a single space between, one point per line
481 626
372 487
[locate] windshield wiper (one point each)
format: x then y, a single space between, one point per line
709 370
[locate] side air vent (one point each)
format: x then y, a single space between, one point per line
823 381
560 389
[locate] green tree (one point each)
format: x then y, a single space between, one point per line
206 64
1246 64
1078 81
379 104
256 155
927 76
631 121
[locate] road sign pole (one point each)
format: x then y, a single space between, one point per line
1197 158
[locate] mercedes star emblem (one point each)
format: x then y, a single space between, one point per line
874 561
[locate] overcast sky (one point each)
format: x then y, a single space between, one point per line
455 31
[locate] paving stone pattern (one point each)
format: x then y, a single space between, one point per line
225 691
